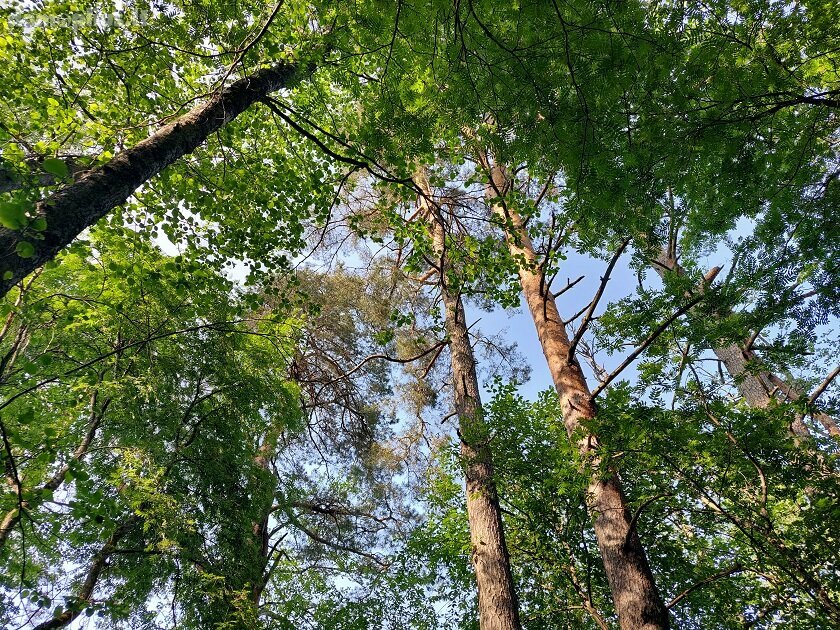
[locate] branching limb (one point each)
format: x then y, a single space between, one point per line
646 343
593 305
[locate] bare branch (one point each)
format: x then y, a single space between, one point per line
592 305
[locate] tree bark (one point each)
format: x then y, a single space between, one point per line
260 528
94 194
755 387
97 566
498 608
636 598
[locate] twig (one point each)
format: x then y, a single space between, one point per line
244 48
588 317
644 345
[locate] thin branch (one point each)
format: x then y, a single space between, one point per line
593 305
245 47
385 357
638 513
644 345
725 573
102 357
338 546
569 285
823 386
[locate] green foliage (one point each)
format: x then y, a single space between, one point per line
202 421
135 403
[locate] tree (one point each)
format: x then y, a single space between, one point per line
497 604
251 431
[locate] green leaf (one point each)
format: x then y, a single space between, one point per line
12 214
55 167
25 249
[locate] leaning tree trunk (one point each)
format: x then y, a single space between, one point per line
756 386
497 604
636 598
94 194
98 564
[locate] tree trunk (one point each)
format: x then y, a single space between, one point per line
260 528
636 598
756 387
97 566
498 608
80 204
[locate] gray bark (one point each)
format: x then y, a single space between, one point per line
82 203
756 386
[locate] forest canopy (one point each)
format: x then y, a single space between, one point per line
419 314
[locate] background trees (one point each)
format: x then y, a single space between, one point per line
226 400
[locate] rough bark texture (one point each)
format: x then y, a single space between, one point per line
756 387
498 608
95 193
636 598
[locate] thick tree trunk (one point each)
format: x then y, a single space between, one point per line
498 608
756 387
79 205
636 598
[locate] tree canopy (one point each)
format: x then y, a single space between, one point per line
255 259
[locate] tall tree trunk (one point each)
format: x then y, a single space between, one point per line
636 598
498 608
260 528
94 194
756 387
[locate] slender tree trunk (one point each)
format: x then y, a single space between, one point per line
636 598
498 608
97 566
260 528
756 387
94 194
